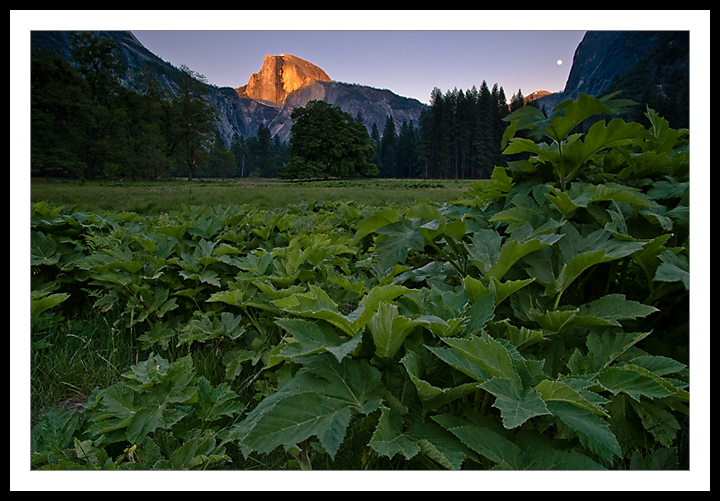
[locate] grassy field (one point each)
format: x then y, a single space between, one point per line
155 198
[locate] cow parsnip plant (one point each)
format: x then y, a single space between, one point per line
540 322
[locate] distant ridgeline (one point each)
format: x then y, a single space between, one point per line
253 121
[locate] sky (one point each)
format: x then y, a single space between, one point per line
408 62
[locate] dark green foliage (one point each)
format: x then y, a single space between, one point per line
540 322
86 124
328 143
459 136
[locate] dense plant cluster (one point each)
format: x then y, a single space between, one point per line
540 322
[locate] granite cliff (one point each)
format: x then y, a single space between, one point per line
279 76
649 67
286 82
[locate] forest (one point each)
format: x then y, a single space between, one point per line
87 123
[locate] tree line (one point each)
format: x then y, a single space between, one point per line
457 137
87 123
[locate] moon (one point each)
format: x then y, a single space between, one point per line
559 62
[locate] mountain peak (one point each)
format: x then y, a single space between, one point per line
279 76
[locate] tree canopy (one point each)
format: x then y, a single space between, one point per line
327 142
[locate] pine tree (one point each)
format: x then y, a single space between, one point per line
388 149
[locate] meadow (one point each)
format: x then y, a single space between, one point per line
154 198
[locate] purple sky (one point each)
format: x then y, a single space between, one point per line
410 63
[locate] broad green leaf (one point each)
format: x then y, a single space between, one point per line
197 453
53 431
474 288
526 118
618 193
316 304
478 314
516 404
607 310
295 418
674 268
600 136
572 270
570 113
560 391
486 352
635 382
540 452
520 337
484 249
513 250
504 289
554 320
439 445
215 402
389 438
205 328
459 361
314 338
318 401
485 442
44 303
397 240
370 302
432 396
592 430
603 349
658 421
43 250
374 222
389 329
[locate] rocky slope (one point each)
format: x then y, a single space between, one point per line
650 67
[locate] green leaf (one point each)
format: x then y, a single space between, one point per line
294 418
603 349
431 396
484 441
608 309
397 239
389 439
570 113
316 304
314 338
593 431
516 404
374 222
659 422
389 329
484 249
44 303
486 352
215 402
439 445
43 250
635 382
674 268
561 391
459 361
513 250
370 303
318 401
